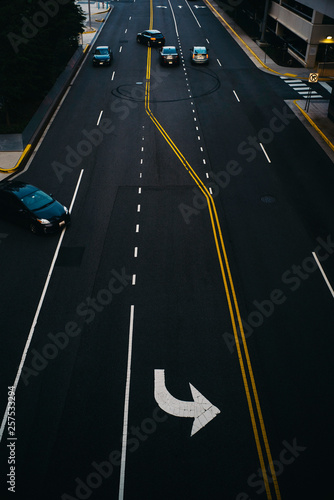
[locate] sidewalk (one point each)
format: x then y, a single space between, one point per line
10 160
315 119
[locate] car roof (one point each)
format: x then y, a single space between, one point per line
198 47
169 47
153 31
19 188
102 47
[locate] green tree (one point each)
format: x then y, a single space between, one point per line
37 38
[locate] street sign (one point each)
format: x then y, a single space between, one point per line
313 77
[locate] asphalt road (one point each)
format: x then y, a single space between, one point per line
188 240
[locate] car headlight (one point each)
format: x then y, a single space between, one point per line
43 221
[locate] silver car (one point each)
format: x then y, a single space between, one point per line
199 55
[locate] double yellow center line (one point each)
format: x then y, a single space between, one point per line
254 407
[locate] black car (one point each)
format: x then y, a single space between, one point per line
102 56
169 55
151 38
29 206
199 55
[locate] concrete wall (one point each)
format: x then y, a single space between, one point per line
312 33
324 6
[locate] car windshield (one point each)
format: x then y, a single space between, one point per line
101 52
169 50
36 200
199 50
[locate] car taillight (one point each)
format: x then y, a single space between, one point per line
207 55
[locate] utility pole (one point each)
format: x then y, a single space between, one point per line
89 16
264 22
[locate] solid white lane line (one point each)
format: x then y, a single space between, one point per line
99 119
236 96
175 25
126 407
38 310
193 14
323 273
265 152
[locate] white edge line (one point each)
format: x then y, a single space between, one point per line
39 307
323 273
126 408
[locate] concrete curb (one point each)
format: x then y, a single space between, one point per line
316 128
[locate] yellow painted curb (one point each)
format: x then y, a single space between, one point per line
86 48
252 52
328 142
24 154
102 12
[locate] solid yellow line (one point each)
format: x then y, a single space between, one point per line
230 306
214 223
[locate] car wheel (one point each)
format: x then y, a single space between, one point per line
138 39
149 44
33 228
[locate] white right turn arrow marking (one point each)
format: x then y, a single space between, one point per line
201 410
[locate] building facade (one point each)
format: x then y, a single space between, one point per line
307 27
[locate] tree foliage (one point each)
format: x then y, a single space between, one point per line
37 38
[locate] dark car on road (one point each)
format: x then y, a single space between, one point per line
199 55
151 38
169 55
102 56
28 206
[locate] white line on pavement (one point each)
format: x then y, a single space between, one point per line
98 121
265 152
38 310
323 273
126 408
